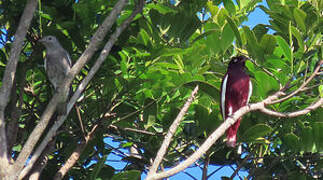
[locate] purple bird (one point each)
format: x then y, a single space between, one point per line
236 89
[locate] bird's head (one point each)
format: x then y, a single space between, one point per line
237 62
49 41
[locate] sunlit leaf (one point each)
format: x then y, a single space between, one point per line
300 17
256 131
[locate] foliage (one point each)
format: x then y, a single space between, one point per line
151 71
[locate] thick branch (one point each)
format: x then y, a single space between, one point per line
81 87
172 129
9 76
88 53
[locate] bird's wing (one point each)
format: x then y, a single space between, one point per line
250 91
68 58
223 91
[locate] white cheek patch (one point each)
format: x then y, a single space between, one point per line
224 87
250 91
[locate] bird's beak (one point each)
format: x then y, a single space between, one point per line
244 59
41 40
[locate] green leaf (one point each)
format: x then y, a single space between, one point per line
306 137
106 172
127 175
321 90
207 88
285 47
265 83
291 141
256 131
227 37
268 43
17 148
235 30
98 167
318 135
44 15
299 38
126 145
252 44
123 64
229 6
162 9
169 52
150 112
300 17
202 116
260 30
212 8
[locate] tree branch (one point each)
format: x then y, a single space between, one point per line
104 53
226 124
9 76
87 54
74 157
316 105
162 150
316 71
206 166
42 161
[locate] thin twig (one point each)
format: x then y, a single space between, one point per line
315 105
206 166
317 69
240 166
162 151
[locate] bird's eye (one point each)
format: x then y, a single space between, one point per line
50 38
235 60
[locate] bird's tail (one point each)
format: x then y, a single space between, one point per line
232 134
62 105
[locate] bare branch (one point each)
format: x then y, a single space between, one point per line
88 53
206 166
162 150
316 71
74 157
42 161
316 105
9 76
82 86
134 130
240 166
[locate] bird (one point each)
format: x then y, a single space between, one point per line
57 64
236 90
